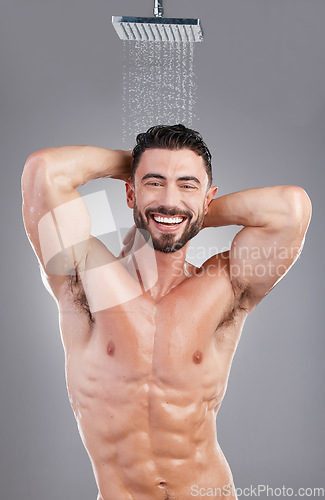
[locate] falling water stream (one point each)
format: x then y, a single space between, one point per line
158 85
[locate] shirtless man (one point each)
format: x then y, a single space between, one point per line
149 340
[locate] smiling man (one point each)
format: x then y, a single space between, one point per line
149 338
171 226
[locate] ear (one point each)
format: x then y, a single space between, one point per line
209 197
129 193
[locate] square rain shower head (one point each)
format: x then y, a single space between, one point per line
158 29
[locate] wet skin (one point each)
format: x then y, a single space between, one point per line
148 338
146 377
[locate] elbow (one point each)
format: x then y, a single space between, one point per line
34 162
36 159
33 171
300 207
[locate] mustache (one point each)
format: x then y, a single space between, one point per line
168 211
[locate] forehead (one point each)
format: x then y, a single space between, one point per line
171 163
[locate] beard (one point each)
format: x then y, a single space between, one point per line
168 243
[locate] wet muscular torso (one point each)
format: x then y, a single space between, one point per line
146 378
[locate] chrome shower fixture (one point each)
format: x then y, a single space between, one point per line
158 28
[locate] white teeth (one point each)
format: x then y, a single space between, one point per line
168 220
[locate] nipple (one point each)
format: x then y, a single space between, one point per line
110 348
197 357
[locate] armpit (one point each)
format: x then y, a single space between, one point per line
78 294
242 295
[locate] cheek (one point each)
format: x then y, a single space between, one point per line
202 205
206 205
144 199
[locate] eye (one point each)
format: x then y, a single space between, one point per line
187 186
153 184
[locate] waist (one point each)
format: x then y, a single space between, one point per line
155 478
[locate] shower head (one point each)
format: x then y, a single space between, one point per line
158 28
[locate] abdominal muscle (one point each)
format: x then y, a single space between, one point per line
150 435
145 383
149 442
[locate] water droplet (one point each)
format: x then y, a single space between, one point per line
32 209
158 85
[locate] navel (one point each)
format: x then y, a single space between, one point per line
197 357
111 348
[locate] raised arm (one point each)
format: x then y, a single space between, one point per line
56 218
275 221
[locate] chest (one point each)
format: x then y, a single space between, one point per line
146 347
173 341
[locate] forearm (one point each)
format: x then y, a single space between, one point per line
74 166
259 207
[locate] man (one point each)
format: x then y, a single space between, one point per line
149 339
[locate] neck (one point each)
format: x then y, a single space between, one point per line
160 272
170 267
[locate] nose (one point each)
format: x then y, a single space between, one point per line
169 196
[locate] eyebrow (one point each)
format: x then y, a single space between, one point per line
155 176
189 178
184 178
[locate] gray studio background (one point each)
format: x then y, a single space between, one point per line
261 109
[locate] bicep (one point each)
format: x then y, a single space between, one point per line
56 219
261 256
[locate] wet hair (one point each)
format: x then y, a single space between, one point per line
173 137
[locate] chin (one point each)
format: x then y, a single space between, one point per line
169 248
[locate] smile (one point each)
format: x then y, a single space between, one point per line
168 220
168 223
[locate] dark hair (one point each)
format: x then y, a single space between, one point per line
171 137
